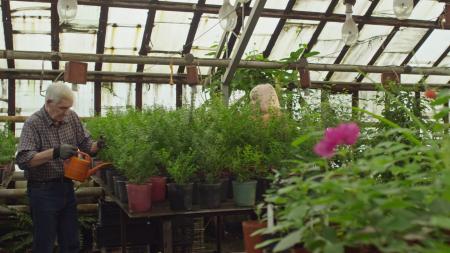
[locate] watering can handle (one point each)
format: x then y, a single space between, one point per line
85 156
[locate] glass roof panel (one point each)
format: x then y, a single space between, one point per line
360 7
32 64
208 34
170 30
261 35
329 44
125 30
432 49
294 32
424 10
400 46
311 5
77 43
32 42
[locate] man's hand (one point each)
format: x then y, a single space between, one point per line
64 151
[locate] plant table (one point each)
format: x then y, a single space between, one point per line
162 212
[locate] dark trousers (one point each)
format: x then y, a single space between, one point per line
54 213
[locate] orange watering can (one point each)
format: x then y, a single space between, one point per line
79 167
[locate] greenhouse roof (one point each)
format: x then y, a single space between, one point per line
174 28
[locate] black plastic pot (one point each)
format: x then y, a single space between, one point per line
109 179
180 196
224 185
195 193
122 190
210 195
262 186
117 178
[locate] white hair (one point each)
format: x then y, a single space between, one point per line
58 91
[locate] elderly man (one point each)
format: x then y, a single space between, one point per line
49 136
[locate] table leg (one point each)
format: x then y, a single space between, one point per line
123 231
219 233
167 236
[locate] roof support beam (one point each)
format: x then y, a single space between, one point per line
278 29
270 13
321 25
9 45
149 23
187 49
131 77
242 44
54 31
101 37
346 48
32 55
416 48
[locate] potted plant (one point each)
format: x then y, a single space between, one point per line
182 171
245 165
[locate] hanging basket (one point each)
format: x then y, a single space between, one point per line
305 79
192 75
388 77
75 72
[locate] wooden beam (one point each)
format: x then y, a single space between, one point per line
54 31
321 25
11 209
92 76
270 13
30 55
237 30
416 47
345 49
81 192
9 45
144 50
278 29
242 44
101 38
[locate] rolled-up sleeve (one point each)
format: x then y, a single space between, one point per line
28 146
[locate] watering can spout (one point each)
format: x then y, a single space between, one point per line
98 167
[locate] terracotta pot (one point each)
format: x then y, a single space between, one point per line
139 197
248 227
158 189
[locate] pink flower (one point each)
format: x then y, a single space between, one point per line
324 148
349 133
346 133
334 135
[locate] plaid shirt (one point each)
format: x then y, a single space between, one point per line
39 133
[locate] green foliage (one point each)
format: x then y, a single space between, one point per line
246 78
246 163
182 170
392 196
7 146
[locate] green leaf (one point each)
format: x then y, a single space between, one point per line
440 100
289 241
298 212
441 221
442 113
266 243
333 248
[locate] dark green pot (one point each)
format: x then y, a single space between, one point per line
244 193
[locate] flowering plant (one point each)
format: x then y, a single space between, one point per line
393 198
